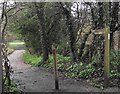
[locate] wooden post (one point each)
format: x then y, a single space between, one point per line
55 69
107 57
118 60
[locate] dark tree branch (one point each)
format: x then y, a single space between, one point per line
3 30
15 12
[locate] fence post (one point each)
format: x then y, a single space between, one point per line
55 69
107 56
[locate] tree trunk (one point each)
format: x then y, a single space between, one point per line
40 14
45 46
114 21
94 16
72 35
83 44
101 15
72 38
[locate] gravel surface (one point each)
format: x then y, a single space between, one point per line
38 79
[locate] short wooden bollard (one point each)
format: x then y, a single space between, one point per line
55 69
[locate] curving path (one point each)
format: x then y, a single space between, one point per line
37 79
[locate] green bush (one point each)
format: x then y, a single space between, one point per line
32 59
61 62
11 88
114 63
60 59
80 70
87 72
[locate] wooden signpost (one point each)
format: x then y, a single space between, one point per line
55 69
106 56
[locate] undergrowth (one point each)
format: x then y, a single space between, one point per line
11 88
79 70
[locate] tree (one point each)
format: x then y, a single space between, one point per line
3 23
40 14
114 25
72 35
48 26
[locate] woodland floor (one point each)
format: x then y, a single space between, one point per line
38 79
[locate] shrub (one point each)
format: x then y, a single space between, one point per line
114 63
32 59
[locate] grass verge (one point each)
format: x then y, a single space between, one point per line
80 70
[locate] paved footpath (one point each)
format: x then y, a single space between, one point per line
37 79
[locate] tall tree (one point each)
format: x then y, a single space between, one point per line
40 14
114 25
72 35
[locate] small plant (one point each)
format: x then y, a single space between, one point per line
114 63
32 59
11 88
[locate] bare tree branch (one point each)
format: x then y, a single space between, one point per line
15 12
